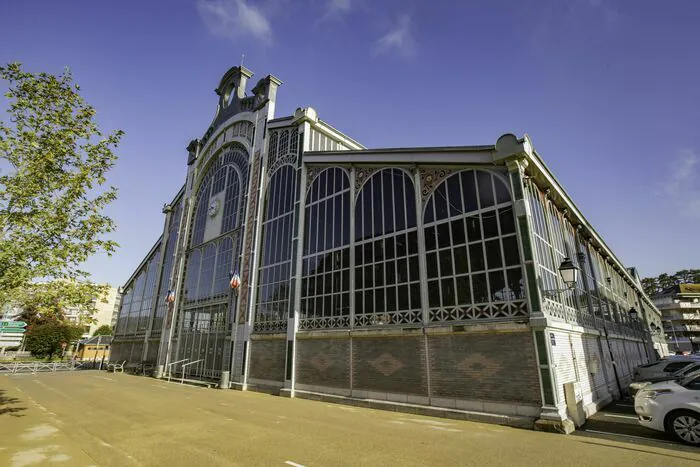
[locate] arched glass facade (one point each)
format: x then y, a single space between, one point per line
387 278
274 293
472 261
325 283
214 254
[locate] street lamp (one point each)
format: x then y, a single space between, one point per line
568 272
633 314
569 275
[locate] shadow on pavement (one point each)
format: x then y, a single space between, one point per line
8 405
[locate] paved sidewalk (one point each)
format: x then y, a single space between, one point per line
91 418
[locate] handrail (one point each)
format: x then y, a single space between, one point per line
168 369
187 364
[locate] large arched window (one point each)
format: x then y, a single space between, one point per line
325 296
218 212
387 280
472 261
275 272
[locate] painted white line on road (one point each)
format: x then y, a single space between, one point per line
425 422
454 430
625 405
108 379
294 464
620 416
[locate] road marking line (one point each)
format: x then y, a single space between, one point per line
454 430
625 405
294 464
620 416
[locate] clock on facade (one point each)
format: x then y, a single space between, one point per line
213 207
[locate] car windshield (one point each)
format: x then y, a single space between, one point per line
684 382
687 370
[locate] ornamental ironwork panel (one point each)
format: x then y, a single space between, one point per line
488 311
334 322
430 179
270 326
362 174
389 318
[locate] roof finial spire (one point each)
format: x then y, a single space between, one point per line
242 57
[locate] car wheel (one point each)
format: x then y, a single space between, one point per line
685 425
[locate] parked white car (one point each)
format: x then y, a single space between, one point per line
673 407
678 375
663 367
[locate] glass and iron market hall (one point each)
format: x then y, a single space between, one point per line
427 276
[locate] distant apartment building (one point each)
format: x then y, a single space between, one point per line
104 315
680 316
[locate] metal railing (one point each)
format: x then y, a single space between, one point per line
188 364
36 367
170 366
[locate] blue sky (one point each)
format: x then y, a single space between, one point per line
606 89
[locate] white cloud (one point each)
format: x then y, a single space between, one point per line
398 40
682 185
234 18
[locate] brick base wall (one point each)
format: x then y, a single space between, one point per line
267 359
497 367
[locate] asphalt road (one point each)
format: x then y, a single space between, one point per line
90 418
618 421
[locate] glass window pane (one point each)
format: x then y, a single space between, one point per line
493 254
505 217
490 224
400 245
359 303
389 248
510 250
429 211
403 298
412 243
390 273
476 257
369 302
440 197
443 235
473 228
432 264
448 292
515 283
463 291
391 299
458 233
413 268
434 293
415 296
469 191
379 305
497 285
454 196
446 262
379 274
461 266
481 293
402 270
430 239
502 193
485 189
369 276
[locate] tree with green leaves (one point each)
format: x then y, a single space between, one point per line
104 330
48 302
47 340
655 285
53 160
